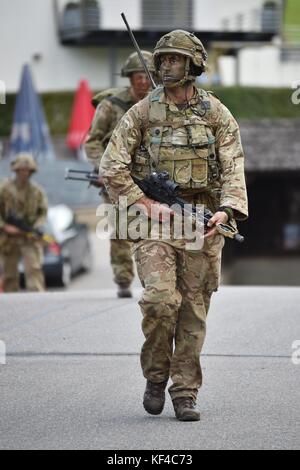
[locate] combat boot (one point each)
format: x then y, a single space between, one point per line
154 397
185 409
124 292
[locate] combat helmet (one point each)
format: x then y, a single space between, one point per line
184 43
133 64
24 161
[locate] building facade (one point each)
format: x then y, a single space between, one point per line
65 41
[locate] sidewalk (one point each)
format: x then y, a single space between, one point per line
73 379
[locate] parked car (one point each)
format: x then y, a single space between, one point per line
70 251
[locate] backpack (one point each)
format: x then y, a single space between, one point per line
111 94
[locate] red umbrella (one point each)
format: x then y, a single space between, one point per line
82 116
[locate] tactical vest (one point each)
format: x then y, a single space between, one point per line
111 94
22 204
121 99
183 146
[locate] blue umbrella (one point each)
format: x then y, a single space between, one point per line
30 132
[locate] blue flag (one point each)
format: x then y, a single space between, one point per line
30 132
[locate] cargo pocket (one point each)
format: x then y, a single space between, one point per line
168 166
199 135
141 166
183 172
201 164
200 168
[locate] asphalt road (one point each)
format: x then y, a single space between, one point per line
72 378
100 276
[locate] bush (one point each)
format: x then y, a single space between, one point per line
250 103
57 107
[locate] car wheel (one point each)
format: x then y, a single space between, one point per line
66 274
87 260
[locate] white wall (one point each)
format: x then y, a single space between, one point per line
227 70
110 12
263 67
210 14
112 9
27 27
260 67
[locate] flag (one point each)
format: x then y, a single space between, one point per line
82 116
30 131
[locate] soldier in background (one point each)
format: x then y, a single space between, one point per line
113 105
190 134
27 201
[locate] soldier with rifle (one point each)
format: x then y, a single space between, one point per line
23 211
191 135
111 105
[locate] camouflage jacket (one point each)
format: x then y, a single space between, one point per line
108 113
30 203
181 143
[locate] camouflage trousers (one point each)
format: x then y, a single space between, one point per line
122 262
32 255
120 257
178 288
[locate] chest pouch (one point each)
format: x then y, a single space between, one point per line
184 149
141 165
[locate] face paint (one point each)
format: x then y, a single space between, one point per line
172 69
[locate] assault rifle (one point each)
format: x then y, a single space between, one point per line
161 188
81 175
31 232
89 176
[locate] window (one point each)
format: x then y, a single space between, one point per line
82 15
167 14
271 17
71 16
90 14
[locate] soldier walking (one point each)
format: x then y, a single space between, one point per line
192 135
109 112
25 200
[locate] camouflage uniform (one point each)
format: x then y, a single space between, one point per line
201 149
107 116
29 204
108 113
